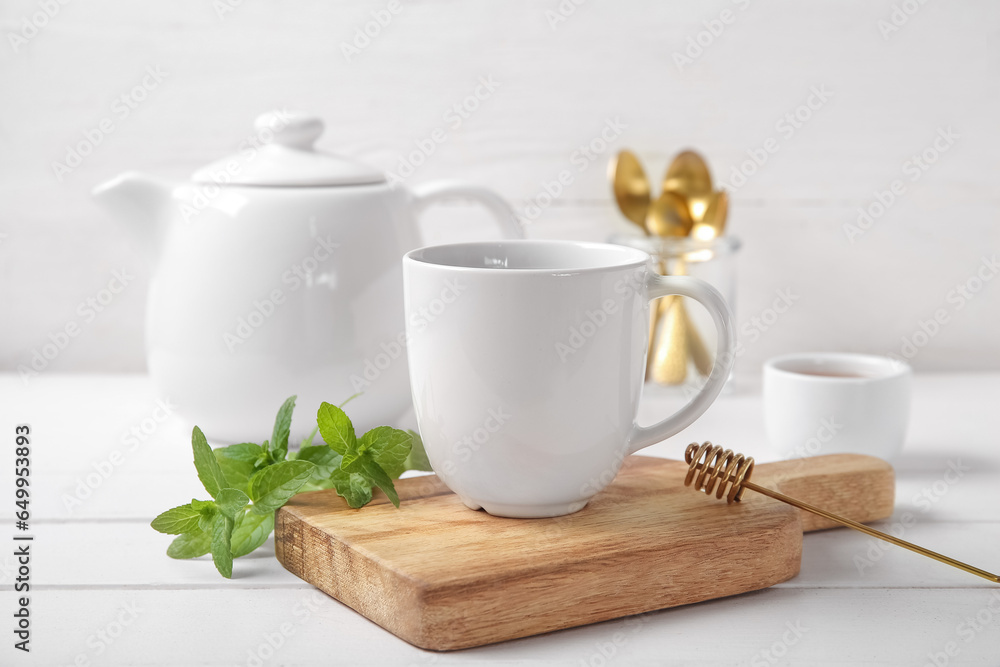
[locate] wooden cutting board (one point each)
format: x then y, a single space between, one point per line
444 577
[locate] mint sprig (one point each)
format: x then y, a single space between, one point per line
249 482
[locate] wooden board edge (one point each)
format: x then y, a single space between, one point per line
787 540
424 616
383 596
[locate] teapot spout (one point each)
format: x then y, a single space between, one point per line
143 204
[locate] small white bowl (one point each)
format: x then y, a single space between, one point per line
832 402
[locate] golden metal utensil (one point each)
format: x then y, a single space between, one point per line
696 348
688 176
666 363
711 466
687 206
669 216
713 223
631 187
669 355
710 227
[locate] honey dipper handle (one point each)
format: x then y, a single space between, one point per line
860 527
859 487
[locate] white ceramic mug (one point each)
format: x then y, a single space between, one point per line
828 403
527 361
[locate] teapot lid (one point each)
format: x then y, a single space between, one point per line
280 153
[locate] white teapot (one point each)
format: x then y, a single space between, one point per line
277 271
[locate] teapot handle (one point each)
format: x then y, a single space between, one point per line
427 194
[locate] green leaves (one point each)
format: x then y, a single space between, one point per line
376 475
176 521
231 502
389 448
206 525
251 531
336 429
222 550
352 487
249 482
190 545
282 425
273 486
240 462
417 460
375 460
325 459
209 472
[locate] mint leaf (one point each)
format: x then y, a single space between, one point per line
268 475
231 502
325 459
354 453
222 550
336 428
238 463
282 425
378 477
202 506
250 532
352 487
207 520
207 509
417 459
190 545
365 465
389 447
273 486
178 520
209 472
248 452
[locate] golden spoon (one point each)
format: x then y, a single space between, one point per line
710 227
667 364
687 197
631 187
689 180
632 194
713 222
688 176
669 354
668 216
700 355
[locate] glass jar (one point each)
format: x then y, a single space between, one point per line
683 338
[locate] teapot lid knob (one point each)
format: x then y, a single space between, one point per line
294 130
281 153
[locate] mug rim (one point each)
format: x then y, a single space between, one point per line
631 257
889 367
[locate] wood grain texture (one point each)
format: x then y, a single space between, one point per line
443 577
851 486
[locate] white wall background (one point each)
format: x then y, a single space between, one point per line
558 85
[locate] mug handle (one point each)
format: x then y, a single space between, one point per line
426 194
658 286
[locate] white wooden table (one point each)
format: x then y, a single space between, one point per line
103 592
